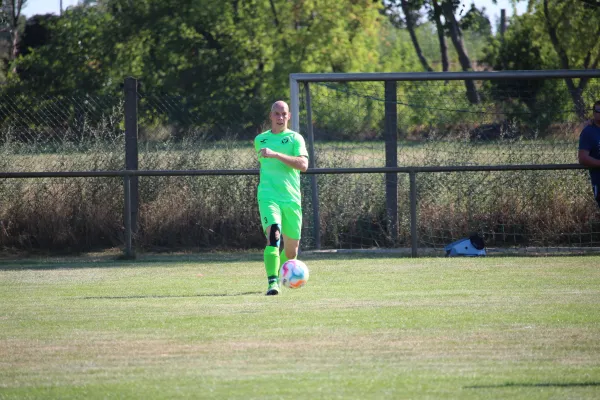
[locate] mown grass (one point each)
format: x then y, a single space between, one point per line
199 326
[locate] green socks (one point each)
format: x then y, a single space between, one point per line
282 259
272 262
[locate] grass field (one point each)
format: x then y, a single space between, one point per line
365 327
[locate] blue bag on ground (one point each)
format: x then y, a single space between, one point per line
471 247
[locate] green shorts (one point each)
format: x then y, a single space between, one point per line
287 214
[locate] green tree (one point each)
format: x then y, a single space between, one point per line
553 35
476 21
226 60
410 9
573 28
435 15
451 27
239 54
11 26
76 60
456 35
517 51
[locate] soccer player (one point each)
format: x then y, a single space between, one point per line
589 149
282 155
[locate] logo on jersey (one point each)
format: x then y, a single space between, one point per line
263 140
284 141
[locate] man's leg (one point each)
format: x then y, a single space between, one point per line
291 217
283 257
270 215
290 250
271 257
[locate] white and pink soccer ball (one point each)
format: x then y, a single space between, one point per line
293 274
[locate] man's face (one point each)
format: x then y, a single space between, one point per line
279 118
596 111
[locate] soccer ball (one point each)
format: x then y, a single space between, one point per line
293 274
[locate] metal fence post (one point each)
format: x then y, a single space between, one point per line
311 164
129 254
131 144
391 158
412 175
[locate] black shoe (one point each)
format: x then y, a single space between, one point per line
273 289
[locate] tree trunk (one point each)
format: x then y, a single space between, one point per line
15 14
463 57
437 13
575 92
15 48
411 30
576 96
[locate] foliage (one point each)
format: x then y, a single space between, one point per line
75 61
222 63
476 21
577 27
555 35
226 60
517 51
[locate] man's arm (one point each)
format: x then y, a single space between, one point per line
299 162
587 160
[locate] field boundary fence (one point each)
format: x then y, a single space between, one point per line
506 107
128 175
382 173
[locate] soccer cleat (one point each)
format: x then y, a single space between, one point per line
273 289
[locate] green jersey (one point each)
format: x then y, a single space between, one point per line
278 181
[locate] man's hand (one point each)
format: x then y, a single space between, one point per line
296 162
268 153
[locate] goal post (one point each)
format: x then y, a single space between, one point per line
416 131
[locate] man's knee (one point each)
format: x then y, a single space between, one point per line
274 236
291 253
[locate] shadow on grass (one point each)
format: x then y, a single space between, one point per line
168 260
110 261
167 296
176 259
541 384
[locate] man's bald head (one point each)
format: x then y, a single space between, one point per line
280 104
280 115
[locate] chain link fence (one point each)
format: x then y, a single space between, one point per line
437 123
61 133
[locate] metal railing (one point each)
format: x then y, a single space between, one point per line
386 158
127 175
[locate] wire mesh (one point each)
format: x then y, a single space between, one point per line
442 123
352 212
437 125
526 210
175 134
526 122
61 133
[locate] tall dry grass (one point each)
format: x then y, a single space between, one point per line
519 208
